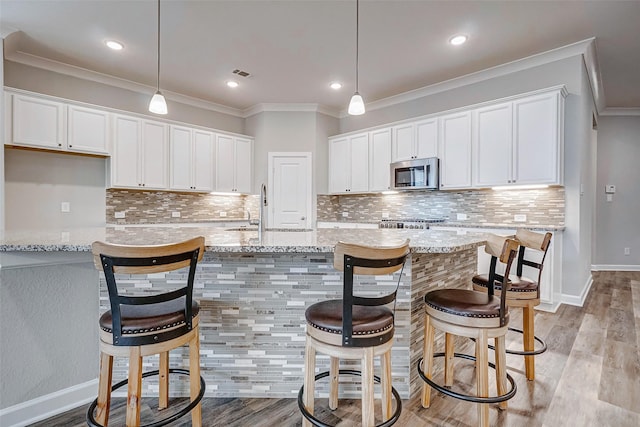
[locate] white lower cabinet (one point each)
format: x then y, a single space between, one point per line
192 154
233 170
140 154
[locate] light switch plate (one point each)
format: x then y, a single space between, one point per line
119 215
610 189
65 207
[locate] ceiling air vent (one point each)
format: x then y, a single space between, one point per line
241 73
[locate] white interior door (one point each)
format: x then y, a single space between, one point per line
290 190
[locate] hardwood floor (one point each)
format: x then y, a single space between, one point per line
589 376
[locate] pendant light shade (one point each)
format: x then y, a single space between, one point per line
356 106
158 104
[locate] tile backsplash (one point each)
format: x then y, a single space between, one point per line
541 206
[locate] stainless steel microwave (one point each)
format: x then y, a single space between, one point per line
416 174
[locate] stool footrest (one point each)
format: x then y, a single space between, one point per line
318 423
535 352
466 397
91 421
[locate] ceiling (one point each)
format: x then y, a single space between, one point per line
294 49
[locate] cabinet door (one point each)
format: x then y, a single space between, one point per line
339 165
125 162
427 139
359 163
243 165
492 142
380 158
537 140
403 143
38 122
154 155
180 176
87 130
225 163
203 154
455 150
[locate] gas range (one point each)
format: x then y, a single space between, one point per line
411 223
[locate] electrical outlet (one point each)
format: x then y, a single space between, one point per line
175 214
345 214
223 213
119 215
609 197
65 207
627 251
461 217
385 214
520 218
64 237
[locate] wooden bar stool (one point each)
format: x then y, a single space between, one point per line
354 327
138 326
477 315
523 292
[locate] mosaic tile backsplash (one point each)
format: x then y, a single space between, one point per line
541 206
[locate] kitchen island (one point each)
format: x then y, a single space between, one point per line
253 289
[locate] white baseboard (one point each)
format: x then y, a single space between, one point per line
49 405
612 267
578 300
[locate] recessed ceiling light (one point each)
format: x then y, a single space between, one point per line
232 84
112 44
335 85
458 40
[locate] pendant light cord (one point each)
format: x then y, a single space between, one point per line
357 36
158 81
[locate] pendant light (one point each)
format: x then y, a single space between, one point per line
158 104
356 106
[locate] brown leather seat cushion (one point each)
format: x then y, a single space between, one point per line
138 319
462 302
327 316
518 284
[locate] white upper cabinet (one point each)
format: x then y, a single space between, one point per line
403 143
538 139
492 145
379 159
140 154
191 158
52 125
416 140
349 164
427 138
88 130
455 150
38 122
234 164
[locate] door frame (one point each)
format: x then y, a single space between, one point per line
270 175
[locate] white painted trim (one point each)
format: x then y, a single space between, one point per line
578 300
574 49
548 307
49 405
5 31
294 107
619 111
613 267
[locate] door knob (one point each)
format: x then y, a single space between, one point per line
302 219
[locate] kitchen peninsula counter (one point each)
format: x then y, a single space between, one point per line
252 288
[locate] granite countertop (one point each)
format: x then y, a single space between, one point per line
246 241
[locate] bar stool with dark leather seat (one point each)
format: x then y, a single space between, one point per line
354 327
477 315
138 326
523 292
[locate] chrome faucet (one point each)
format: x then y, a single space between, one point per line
263 203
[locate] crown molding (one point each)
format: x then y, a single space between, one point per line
574 49
293 107
620 111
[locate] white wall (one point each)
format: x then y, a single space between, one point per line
37 182
617 225
2 133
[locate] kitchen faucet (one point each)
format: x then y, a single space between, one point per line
263 203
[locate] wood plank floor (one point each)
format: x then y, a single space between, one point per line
589 376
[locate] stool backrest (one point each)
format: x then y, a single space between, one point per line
536 241
501 249
114 259
356 259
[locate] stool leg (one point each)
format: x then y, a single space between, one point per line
309 379
427 360
385 364
529 343
482 375
334 375
163 368
194 376
134 389
448 359
104 389
368 416
501 368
